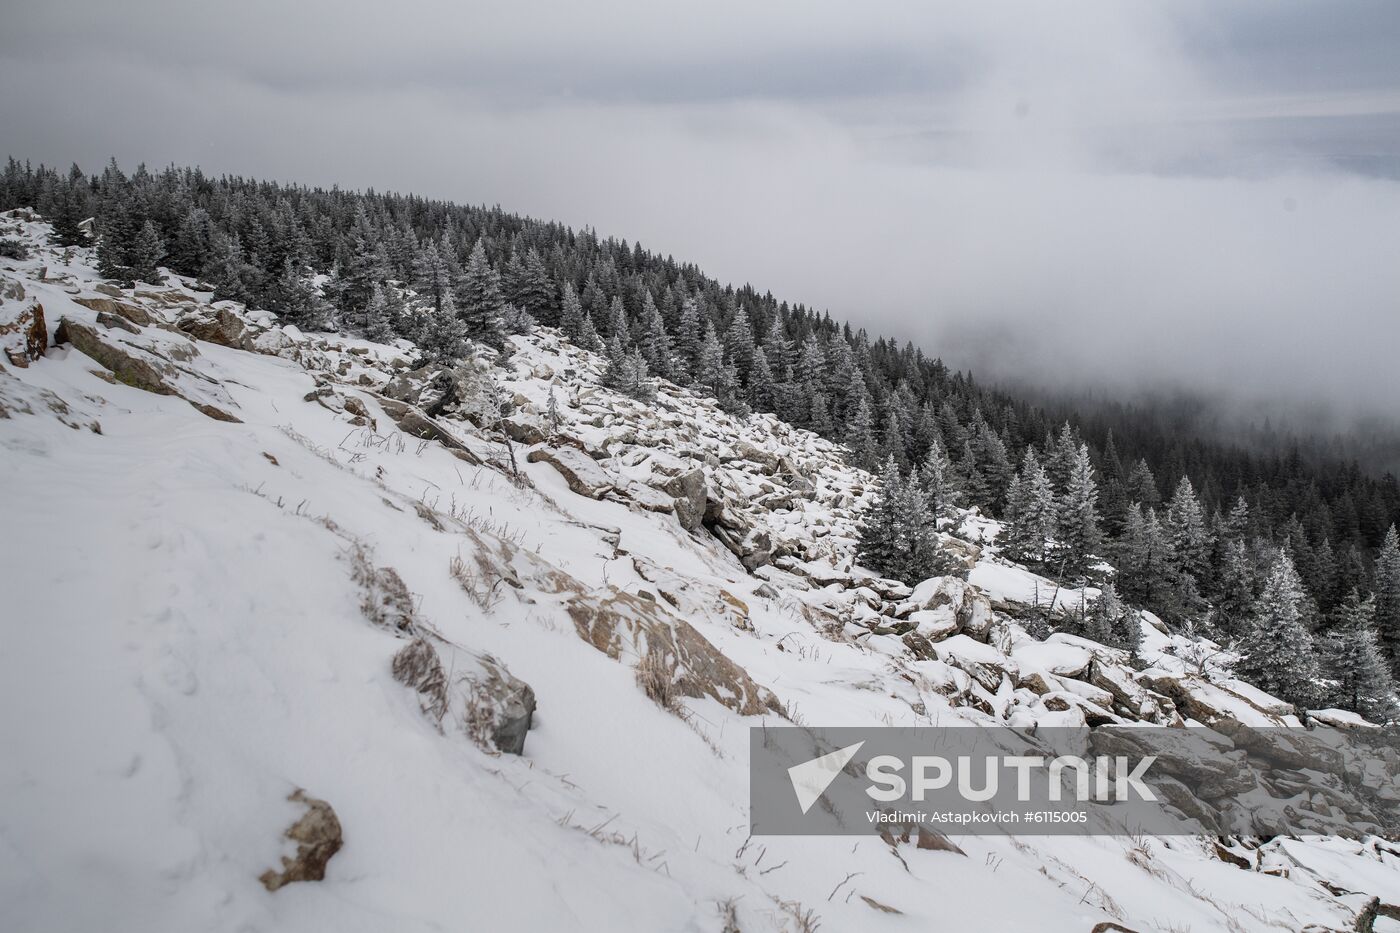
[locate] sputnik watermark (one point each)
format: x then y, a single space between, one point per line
1105 780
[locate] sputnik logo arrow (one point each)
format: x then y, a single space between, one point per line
811 778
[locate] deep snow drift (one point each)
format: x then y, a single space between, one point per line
233 554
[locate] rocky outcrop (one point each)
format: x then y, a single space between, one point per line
318 838
23 334
688 489
626 627
217 325
414 422
583 474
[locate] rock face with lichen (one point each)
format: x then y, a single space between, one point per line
625 627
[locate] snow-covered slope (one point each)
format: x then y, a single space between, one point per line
240 561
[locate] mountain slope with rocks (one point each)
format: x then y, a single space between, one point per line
303 635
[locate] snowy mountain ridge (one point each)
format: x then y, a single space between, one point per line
510 659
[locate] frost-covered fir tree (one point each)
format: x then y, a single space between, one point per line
627 372
761 383
1278 654
881 549
1388 597
616 322
552 414
374 323
295 299
739 343
432 277
1352 660
1234 602
571 314
1031 515
1191 540
588 338
445 337
860 437
653 341
145 254
1111 623
480 302
1078 525
688 341
899 537
939 480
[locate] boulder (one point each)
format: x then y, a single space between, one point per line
416 423
969 605
625 626
523 430
217 325
688 489
753 548
24 335
935 624
129 367
317 836
583 474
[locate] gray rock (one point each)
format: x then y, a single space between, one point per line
688 489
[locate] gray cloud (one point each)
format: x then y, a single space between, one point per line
1087 193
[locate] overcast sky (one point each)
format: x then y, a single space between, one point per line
1120 192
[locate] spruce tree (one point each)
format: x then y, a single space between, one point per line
939 480
145 254
739 343
881 548
1191 540
761 383
571 314
374 324
445 338
1031 514
480 299
1078 526
860 437
1353 662
1387 591
1278 654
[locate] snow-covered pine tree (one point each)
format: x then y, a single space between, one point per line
940 480
617 324
295 300
588 338
374 323
739 343
480 300
652 339
1387 590
1353 662
445 338
860 437
432 276
688 341
1031 515
571 314
1078 525
1234 602
881 547
145 254
1111 623
761 383
1191 541
1278 654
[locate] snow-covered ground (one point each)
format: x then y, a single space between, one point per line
195 628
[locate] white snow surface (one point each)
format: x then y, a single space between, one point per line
184 646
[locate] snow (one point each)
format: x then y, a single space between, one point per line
185 646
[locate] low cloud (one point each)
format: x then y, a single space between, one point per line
1087 194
